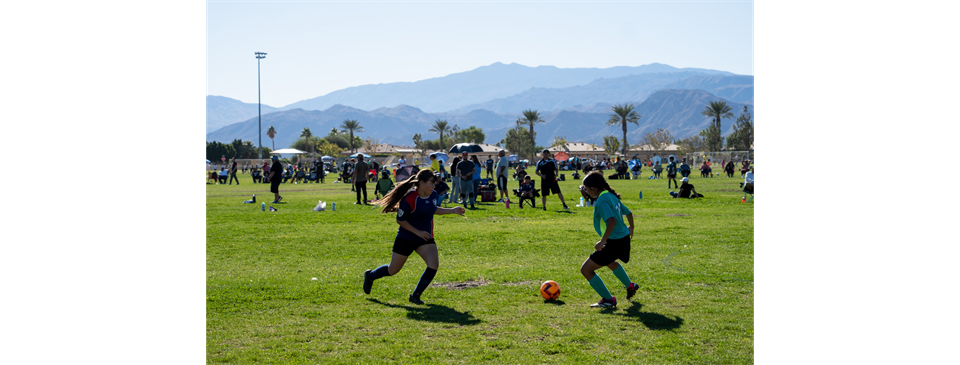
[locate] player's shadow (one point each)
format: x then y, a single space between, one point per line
435 313
654 321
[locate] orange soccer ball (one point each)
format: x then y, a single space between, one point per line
550 290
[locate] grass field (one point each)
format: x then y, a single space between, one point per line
693 260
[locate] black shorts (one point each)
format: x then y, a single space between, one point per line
549 185
502 182
672 176
405 247
618 249
275 186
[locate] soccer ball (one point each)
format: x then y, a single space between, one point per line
550 290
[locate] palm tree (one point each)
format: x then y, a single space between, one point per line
623 114
307 134
270 133
717 110
441 127
531 117
352 126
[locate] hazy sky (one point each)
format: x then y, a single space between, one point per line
314 48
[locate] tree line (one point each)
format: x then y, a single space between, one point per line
520 140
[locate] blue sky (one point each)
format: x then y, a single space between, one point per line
314 48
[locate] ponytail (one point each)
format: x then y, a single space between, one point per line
391 201
595 179
608 188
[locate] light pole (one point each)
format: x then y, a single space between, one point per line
259 55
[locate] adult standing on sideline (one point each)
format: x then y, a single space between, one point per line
547 170
276 171
233 172
435 164
502 168
490 167
454 181
360 179
465 170
672 173
476 179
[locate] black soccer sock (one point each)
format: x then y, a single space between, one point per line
425 280
380 272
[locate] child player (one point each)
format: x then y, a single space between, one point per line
415 210
614 241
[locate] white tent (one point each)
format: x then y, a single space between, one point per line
288 151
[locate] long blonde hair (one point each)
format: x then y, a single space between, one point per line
391 201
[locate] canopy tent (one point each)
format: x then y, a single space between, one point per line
465 147
360 153
208 161
513 158
561 156
287 151
327 159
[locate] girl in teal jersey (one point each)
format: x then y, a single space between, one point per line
614 241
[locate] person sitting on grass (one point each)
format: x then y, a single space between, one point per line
748 185
686 190
223 175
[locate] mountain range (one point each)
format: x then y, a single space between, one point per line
575 103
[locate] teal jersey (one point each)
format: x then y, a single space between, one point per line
608 206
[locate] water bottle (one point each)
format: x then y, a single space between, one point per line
507 202
641 195
581 202
263 206
334 207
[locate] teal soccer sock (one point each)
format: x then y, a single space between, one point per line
599 287
622 275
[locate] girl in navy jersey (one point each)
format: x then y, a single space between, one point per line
415 203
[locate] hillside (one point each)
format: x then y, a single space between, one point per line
678 111
476 86
223 111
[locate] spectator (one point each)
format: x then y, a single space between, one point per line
502 168
704 169
547 170
465 169
657 170
434 164
360 179
637 167
748 184
455 181
672 172
384 185
526 191
401 163
275 178
686 190
489 162
476 178
744 167
233 172
729 169
684 168
223 175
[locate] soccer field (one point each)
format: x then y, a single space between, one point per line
693 260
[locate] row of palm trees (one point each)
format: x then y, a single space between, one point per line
622 114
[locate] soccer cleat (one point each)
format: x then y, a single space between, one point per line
278 200
275 202
415 299
605 303
631 290
566 207
367 282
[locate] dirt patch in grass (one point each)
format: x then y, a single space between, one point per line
520 283
678 215
462 284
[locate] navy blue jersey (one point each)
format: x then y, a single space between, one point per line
418 212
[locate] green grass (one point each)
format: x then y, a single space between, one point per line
693 260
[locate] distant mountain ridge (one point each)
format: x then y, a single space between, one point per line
676 110
223 111
476 86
